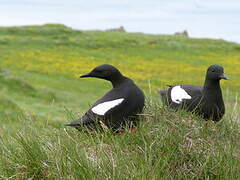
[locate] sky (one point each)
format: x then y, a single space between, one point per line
219 19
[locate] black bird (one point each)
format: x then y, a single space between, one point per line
206 101
118 108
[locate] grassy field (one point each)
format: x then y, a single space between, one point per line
40 92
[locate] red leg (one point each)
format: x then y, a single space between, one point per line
133 130
120 133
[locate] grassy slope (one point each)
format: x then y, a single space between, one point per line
40 92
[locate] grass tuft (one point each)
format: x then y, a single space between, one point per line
168 144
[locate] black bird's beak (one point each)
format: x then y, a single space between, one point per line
223 76
86 75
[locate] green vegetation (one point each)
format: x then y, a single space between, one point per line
40 92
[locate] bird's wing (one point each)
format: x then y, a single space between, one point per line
108 102
176 96
98 110
189 97
102 108
193 91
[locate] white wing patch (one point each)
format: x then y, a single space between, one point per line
178 94
102 108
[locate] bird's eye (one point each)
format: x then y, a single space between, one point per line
213 70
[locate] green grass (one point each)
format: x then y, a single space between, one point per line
40 92
168 145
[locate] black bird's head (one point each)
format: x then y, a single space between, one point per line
215 73
105 71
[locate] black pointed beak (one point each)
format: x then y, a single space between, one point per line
223 76
86 75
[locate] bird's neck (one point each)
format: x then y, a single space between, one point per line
212 90
118 80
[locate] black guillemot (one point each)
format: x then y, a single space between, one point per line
207 101
119 107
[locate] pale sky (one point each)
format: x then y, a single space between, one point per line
202 18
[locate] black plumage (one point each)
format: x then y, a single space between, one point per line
118 107
207 101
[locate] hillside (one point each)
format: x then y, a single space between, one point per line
40 92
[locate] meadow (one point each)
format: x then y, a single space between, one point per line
40 91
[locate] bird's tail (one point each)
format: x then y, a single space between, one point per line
163 93
72 124
84 123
